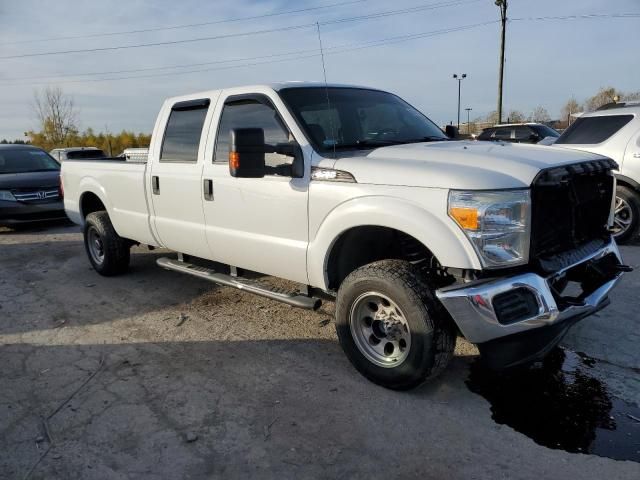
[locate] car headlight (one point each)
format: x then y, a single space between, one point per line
7 196
497 223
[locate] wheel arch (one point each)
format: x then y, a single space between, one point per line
337 247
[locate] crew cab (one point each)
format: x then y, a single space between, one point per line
358 198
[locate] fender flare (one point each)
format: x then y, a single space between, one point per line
449 245
91 185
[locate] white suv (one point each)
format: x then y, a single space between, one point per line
614 133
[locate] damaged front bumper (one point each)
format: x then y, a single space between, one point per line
517 319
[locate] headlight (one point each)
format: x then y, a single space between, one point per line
7 196
497 223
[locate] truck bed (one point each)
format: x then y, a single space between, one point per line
126 201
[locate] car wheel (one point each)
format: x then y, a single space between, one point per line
108 253
391 327
626 214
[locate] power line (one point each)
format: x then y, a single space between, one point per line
587 16
189 25
388 13
266 60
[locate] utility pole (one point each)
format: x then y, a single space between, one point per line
502 5
459 78
468 109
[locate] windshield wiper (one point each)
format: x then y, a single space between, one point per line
430 138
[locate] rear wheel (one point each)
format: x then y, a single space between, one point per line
626 214
108 253
391 327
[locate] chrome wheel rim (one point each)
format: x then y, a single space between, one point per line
623 217
380 329
96 247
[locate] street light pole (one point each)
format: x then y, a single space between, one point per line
468 109
502 5
459 78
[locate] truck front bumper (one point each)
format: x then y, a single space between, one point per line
518 319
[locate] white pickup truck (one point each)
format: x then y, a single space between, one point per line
359 198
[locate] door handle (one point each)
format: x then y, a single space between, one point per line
208 189
636 155
155 185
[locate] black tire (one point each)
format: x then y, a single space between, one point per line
627 214
115 250
432 332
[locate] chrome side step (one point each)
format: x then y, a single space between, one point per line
294 299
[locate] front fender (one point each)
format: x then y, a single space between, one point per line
436 232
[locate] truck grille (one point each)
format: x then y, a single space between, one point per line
571 207
44 194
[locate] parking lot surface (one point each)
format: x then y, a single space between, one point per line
158 375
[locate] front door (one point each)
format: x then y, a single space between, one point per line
259 224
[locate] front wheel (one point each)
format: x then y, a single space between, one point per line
108 253
391 327
626 213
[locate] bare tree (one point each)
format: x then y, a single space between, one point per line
57 115
515 116
604 96
572 106
540 115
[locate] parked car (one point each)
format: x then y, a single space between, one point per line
363 200
29 185
615 133
75 153
518 133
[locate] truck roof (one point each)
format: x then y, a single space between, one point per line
277 86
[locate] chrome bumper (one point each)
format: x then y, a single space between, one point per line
472 306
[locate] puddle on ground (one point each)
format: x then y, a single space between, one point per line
562 404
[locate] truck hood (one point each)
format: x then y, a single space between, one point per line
469 165
9 181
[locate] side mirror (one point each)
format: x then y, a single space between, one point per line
451 131
246 153
292 149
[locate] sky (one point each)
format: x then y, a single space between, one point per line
547 61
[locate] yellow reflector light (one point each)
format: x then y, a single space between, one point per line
466 217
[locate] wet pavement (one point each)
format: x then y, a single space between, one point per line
562 403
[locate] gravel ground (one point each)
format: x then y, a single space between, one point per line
158 375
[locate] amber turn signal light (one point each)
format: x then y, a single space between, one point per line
234 160
466 217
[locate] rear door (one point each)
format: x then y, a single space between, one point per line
176 176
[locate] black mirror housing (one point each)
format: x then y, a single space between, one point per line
247 153
451 131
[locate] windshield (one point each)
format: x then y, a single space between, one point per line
357 118
545 131
22 160
78 154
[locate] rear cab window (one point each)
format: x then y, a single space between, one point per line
184 129
593 130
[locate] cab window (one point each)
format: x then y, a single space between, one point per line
183 132
251 113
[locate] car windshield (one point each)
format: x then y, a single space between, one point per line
543 131
354 118
22 160
78 154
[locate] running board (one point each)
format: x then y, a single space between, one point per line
293 299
